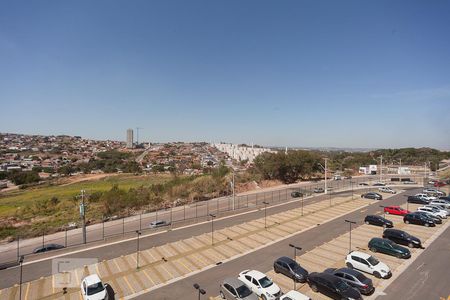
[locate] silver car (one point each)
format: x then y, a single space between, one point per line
233 288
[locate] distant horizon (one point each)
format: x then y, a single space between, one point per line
323 73
363 149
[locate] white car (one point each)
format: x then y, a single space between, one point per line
433 212
367 263
440 202
386 189
92 288
294 295
433 191
425 196
439 207
260 284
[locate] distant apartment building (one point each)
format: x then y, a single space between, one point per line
241 152
129 138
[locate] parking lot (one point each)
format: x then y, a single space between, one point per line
164 264
332 254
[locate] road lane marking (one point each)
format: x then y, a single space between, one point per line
148 277
128 283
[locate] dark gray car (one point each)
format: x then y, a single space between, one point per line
354 278
289 267
233 288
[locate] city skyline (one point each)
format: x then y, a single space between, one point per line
297 74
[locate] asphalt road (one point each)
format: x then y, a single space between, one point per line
34 270
428 277
262 260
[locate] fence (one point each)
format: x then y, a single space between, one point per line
192 213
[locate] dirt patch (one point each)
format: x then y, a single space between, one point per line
84 177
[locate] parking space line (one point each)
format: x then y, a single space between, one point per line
148 277
128 283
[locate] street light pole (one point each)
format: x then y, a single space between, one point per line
295 258
200 290
265 214
212 228
234 192
302 204
20 278
350 241
326 163
83 215
138 249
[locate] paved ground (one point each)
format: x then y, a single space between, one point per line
160 265
332 254
427 277
262 259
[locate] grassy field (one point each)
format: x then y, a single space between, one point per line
11 201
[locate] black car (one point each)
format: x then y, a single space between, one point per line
296 194
332 286
378 221
354 278
363 184
372 195
417 200
433 218
379 184
47 247
401 237
418 219
290 268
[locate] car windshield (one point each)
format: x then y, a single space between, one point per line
243 291
342 286
265 282
373 261
95 288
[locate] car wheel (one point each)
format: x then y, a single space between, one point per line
222 295
406 221
398 255
411 245
276 270
373 249
376 274
427 225
349 265
314 288
263 297
384 225
367 222
387 212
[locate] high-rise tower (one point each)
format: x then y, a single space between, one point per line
129 138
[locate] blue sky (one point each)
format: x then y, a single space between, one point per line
286 73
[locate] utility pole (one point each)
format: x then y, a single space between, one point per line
326 162
83 215
381 168
234 191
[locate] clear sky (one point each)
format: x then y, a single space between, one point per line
285 73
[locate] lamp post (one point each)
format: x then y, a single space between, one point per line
407 202
265 214
302 204
212 228
351 183
137 249
350 241
200 290
295 258
20 278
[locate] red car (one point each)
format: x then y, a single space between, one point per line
396 210
439 183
